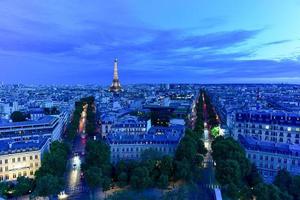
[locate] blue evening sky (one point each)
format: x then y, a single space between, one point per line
156 41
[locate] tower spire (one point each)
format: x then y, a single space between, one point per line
115 86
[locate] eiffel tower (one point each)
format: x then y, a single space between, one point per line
115 86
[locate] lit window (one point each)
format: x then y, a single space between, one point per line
289 128
267 127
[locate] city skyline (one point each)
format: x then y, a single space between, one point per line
60 42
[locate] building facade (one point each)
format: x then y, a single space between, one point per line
270 157
271 126
130 147
21 157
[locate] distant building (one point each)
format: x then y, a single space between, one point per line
127 124
46 126
115 86
270 157
277 126
21 157
130 147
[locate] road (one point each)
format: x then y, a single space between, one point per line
208 181
76 188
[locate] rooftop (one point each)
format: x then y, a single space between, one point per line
8 146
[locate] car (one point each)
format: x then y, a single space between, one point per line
74 166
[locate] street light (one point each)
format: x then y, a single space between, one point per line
62 195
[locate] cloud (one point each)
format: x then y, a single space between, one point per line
277 42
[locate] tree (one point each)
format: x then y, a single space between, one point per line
3 189
228 171
253 178
48 185
261 191
295 187
283 180
97 153
182 169
215 131
163 181
122 179
23 186
93 177
140 178
18 116
166 166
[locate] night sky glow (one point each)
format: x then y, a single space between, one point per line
157 41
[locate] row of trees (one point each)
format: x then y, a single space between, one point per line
50 176
241 180
155 170
91 116
96 167
73 126
212 116
199 125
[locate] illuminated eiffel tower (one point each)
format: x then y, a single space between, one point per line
115 86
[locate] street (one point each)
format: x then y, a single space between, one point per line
208 178
76 187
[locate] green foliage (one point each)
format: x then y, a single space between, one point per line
215 131
163 181
166 166
18 116
48 185
140 178
212 116
131 195
93 177
228 171
23 186
97 168
189 156
233 169
3 189
53 167
270 192
287 183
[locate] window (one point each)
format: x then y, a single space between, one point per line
14 175
24 158
31 173
13 160
30 157
24 173
1 169
6 168
6 161
31 164
19 159
36 157
0 162
36 164
6 176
